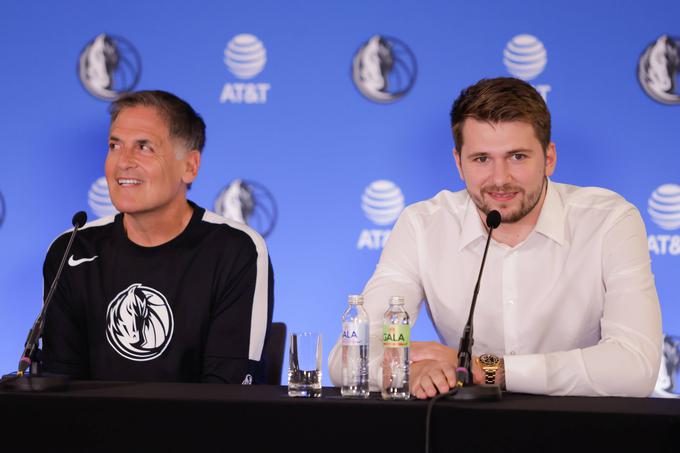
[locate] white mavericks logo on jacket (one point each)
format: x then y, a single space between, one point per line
139 323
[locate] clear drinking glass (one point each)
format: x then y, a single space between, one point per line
304 369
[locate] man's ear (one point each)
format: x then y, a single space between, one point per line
456 156
550 159
192 162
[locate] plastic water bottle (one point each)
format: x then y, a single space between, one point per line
396 342
355 349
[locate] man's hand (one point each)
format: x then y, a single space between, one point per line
429 377
433 369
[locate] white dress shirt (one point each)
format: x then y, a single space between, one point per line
572 309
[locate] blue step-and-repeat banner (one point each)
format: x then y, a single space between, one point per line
324 120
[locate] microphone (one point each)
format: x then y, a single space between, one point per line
80 218
34 380
465 388
464 371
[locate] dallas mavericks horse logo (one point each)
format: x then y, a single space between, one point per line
250 203
659 68
667 384
236 202
139 323
109 66
2 209
384 69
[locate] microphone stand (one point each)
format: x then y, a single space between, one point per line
465 389
29 376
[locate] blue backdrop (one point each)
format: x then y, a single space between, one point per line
298 109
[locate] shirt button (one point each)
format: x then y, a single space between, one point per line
512 352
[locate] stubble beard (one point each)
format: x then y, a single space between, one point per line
529 201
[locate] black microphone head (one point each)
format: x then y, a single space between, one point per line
493 219
80 218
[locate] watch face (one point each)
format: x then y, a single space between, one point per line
489 360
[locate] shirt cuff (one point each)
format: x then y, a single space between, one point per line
526 373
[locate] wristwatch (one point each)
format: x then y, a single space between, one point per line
490 364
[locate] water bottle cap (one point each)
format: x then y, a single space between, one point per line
356 299
397 300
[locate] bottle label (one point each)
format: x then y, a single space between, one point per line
354 334
396 335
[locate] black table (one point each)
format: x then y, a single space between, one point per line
130 417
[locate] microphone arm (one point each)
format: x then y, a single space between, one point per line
36 331
464 369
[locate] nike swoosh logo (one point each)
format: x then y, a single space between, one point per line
74 262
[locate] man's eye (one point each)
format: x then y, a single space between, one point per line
519 156
481 159
146 148
114 146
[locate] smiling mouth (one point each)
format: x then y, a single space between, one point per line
502 196
127 182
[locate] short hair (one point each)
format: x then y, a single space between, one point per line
498 100
182 121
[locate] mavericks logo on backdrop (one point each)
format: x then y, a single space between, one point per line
98 199
663 208
245 57
382 202
659 68
525 57
139 323
384 69
250 203
667 385
109 66
2 209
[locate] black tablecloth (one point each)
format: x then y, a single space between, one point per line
126 417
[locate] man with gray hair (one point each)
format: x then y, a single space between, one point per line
165 290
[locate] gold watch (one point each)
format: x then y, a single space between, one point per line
490 364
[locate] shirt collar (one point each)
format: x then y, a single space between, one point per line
472 227
550 221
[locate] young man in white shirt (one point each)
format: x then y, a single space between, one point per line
567 302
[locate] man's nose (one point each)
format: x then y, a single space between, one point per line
501 173
127 158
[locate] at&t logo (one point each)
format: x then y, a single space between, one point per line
525 57
245 57
663 208
382 202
